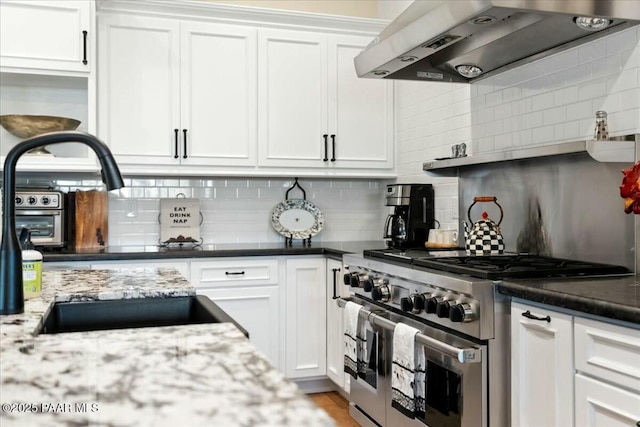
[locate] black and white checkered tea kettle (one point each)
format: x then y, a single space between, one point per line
484 236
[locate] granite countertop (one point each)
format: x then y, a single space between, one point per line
612 297
112 253
206 374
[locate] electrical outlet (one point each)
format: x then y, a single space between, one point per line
131 208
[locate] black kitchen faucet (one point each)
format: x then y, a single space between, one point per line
11 290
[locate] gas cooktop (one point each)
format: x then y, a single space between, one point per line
496 267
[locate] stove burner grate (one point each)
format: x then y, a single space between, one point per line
518 266
496 267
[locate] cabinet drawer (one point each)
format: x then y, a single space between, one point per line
234 271
609 352
602 405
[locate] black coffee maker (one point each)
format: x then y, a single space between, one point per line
413 215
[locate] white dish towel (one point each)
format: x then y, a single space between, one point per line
350 320
407 372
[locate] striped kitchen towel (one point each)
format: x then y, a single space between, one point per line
407 372
351 321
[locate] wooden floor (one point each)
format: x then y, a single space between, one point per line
336 406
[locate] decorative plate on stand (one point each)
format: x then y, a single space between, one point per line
297 219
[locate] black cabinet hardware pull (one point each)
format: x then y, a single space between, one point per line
234 273
333 147
175 156
528 315
326 149
335 275
184 153
84 47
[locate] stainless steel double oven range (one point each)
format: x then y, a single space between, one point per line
451 299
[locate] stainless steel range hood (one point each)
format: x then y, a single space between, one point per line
431 38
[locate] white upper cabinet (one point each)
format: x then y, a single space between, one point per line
361 117
174 92
315 112
218 93
293 98
46 35
47 56
212 89
138 87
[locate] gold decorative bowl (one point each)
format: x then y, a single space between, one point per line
26 126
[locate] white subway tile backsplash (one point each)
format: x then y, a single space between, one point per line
619 42
542 134
606 66
542 101
352 209
554 115
547 101
580 110
622 81
630 99
593 88
532 120
588 53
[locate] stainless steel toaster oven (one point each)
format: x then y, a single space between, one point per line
42 212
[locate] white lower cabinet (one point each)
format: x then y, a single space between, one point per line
541 367
569 370
257 310
607 380
335 330
248 290
599 404
306 318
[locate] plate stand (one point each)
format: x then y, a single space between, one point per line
289 240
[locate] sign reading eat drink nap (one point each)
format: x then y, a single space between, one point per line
179 219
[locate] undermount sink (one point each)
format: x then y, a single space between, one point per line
133 313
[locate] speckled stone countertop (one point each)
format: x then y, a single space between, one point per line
205 374
612 297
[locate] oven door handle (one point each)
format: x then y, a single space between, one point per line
36 213
462 355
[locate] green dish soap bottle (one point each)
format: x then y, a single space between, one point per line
31 269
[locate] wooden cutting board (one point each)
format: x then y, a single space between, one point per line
90 226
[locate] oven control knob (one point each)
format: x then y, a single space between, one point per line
461 313
351 279
374 282
32 200
362 281
443 308
19 200
45 200
367 284
414 303
431 304
381 293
